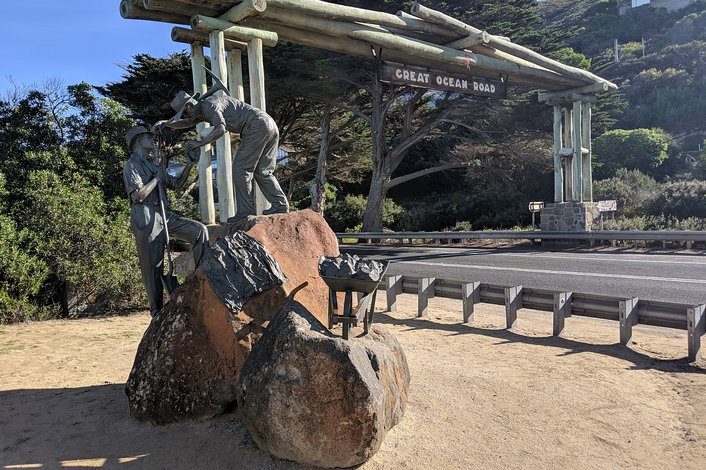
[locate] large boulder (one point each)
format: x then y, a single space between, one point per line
315 398
188 361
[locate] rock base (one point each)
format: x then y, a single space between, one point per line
312 397
569 217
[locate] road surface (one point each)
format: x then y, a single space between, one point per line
676 277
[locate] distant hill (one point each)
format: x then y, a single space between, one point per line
662 61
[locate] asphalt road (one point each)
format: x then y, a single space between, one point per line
675 277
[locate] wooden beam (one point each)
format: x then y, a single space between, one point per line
239 33
362 49
563 95
134 10
568 163
587 175
224 176
234 62
558 174
189 36
256 69
178 8
506 46
415 47
476 39
578 154
208 212
334 11
245 10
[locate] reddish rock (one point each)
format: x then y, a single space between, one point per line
188 362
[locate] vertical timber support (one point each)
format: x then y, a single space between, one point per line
256 68
470 295
226 201
393 286
558 170
568 166
234 63
696 328
208 211
562 310
513 302
587 172
426 285
578 153
628 318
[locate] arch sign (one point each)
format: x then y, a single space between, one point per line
438 80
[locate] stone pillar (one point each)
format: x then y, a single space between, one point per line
572 216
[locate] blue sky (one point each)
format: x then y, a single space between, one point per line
74 41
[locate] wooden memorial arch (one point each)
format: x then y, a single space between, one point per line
425 41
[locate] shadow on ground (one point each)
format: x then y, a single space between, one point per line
89 427
639 361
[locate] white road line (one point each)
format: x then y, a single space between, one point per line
595 258
566 273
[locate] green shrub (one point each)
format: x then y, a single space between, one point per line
635 192
348 213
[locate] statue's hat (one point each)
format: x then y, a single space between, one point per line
180 101
134 133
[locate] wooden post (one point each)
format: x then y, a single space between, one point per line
426 284
562 310
587 172
569 168
234 62
393 287
224 175
470 295
208 211
628 318
578 154
558 172
696 327
513 302
256 67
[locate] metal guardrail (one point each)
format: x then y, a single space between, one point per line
654 235
627 311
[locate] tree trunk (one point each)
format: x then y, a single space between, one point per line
372 218
317 187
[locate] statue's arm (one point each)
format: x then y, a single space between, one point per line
183 177
141 193
179 124
216 133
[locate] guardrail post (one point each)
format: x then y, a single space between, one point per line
426 287
562 310
696 327
689 245
513 302
628 318
470 295
393 287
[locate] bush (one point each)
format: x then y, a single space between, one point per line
85 242
21 274
348 213
638 149
683 199
635 192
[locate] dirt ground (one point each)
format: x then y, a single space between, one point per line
481 397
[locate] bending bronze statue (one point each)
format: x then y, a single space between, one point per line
145 183
256 156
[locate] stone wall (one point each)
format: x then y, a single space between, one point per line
570 217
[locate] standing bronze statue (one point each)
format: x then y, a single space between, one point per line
145 183
257 154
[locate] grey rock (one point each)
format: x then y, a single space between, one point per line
314 398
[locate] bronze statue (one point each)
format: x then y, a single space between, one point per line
257 154
147 216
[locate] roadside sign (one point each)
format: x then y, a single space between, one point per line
608 206
421 77
536 206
